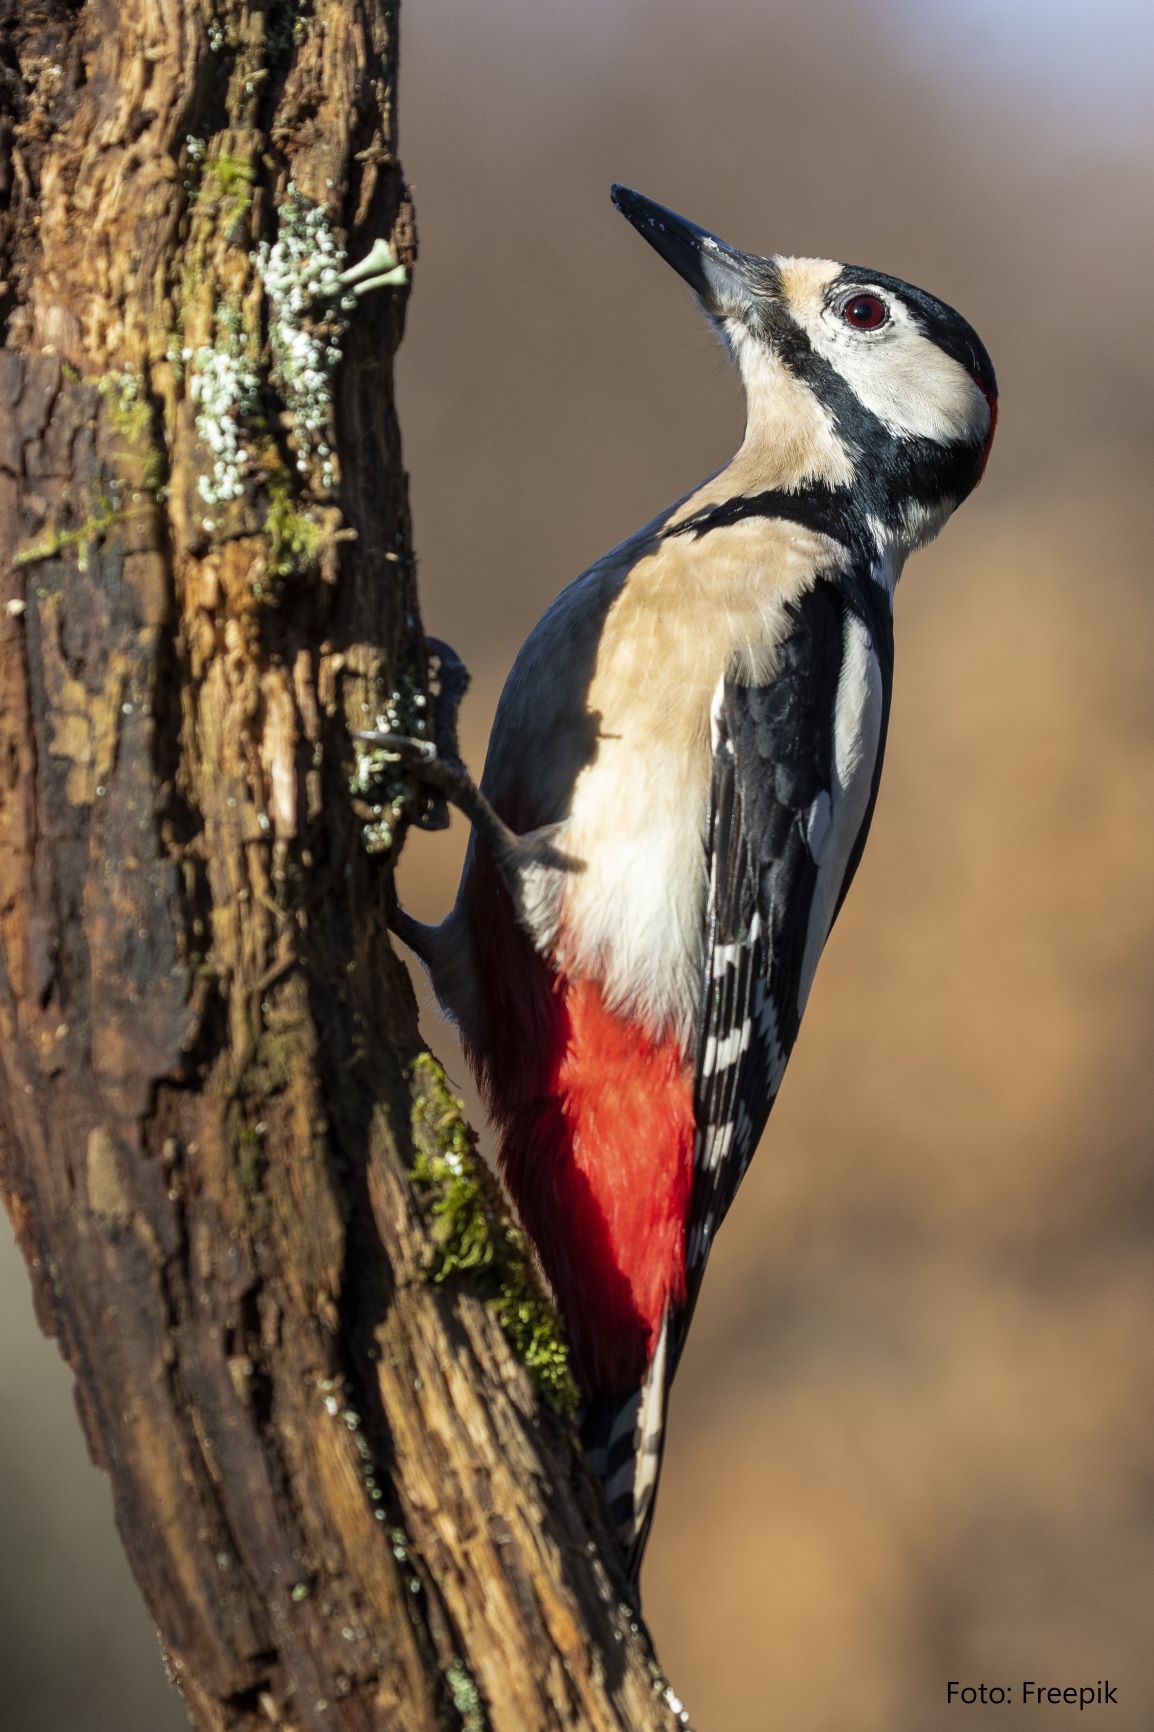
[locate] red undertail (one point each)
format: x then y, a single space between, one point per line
597 1151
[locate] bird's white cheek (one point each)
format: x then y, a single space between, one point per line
914 389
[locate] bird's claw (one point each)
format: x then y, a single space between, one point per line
417 756
403 746
435 763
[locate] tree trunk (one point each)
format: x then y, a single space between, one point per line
308 1348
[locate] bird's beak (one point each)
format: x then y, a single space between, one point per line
724 279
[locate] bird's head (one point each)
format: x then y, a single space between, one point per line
855 381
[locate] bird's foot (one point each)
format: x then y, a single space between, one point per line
451 679
392 758
448 682
432 759
445 778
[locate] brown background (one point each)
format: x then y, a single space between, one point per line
912 1438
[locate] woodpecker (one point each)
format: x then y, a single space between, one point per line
678 788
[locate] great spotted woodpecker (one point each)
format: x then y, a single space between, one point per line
678 788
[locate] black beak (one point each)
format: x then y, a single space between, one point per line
725 280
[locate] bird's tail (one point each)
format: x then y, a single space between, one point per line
624 1438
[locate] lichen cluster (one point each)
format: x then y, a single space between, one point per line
308 314
675 1705
224 383
474 1240
310 297
466 1697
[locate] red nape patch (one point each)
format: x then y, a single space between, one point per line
992 399
601 1169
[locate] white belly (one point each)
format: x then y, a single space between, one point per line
634 917
634 809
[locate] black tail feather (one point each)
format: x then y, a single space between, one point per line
624 1439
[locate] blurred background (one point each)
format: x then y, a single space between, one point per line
912 1438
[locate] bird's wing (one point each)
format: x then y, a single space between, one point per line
795 774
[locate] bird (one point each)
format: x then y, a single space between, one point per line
679 784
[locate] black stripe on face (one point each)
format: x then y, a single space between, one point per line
952 334
891 470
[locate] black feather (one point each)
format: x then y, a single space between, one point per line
773 760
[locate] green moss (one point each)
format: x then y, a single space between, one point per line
474 1239
75 542
226 186
294 537
275 1060
229 175
248 1146
129 414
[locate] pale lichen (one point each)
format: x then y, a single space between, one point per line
308 314
224 383
310 296
675 1705
377 270
466 1696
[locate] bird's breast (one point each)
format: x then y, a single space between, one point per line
628 753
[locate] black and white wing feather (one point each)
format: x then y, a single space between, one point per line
795 774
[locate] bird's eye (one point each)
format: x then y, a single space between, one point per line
864 312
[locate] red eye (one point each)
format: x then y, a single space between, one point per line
865 312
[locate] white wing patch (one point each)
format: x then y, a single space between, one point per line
817 827
856 738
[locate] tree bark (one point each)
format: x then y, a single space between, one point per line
308 1347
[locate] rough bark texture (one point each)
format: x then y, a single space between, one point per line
232 1172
